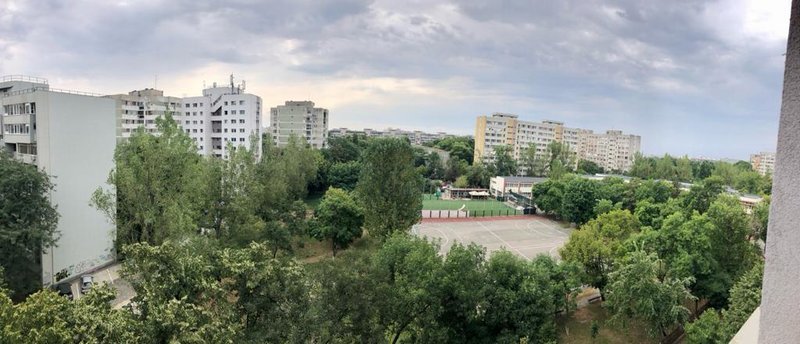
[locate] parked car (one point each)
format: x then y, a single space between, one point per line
63 289
86 283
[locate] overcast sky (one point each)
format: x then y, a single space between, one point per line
701 78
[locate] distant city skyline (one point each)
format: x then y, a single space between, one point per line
701 79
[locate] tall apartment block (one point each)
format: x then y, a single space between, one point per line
302 119
416 137
221 116
70 136
140 108
763 163
612 150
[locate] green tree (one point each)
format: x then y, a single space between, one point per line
504 163
535 164
549 196
638 290
389 189
344 175
478 175
598 243
707 329
649 214
580 197
157 187
683 169
702 169
406 269
340 219
759 220
459 147
643 167
455 168
603 206
729 244
27 223
234 188
461 182
589 167
702 194
519 300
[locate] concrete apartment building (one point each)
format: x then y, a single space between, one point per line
416 137
763 163
140 108
302 119
220 116
612 150
70 136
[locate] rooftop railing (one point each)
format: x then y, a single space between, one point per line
49 89
23 78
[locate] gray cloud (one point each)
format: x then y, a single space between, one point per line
649 67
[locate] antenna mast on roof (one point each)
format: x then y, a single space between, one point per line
232 86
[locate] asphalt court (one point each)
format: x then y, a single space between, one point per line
526 237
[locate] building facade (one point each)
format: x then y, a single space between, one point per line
763 163
219 117
416 137
612 150
301 119
222 116
140 108
48 128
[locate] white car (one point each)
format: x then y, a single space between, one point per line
86 283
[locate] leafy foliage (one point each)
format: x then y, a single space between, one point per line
27 223
389 189
339 219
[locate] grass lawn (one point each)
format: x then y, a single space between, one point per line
577 328
490 204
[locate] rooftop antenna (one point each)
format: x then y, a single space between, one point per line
232 84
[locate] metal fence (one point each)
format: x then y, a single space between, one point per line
455 214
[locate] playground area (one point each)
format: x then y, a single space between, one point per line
526 236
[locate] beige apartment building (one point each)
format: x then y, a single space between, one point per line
302 119
612 150
763 163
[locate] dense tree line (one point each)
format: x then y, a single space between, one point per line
404 291
27 223
651 248
739 175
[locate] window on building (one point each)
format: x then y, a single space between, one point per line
226 103
241 102
241 112
241 139
241 121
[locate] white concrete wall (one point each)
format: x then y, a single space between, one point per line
780 301
76 137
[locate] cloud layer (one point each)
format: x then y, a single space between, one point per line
691 77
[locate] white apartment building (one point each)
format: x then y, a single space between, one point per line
416 137
70 136
302 119
612 150
140 108
763 163
222 116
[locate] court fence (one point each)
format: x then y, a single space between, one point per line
454 214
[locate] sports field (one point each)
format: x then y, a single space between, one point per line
526 236
470 205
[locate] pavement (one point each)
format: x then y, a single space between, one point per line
526 236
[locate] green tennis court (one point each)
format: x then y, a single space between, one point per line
470 205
